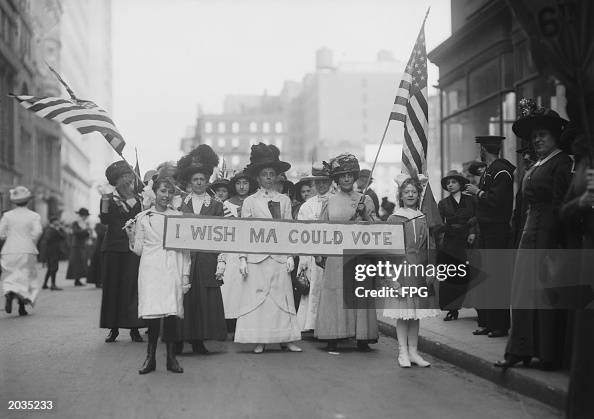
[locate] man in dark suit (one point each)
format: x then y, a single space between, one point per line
495 193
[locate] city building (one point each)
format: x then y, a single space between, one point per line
485 67
29 146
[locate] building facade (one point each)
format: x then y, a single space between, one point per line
485 69
29 146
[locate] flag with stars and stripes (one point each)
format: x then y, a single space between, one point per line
83 115
410 107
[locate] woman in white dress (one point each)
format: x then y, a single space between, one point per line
163 276
21 228
409 310
267 313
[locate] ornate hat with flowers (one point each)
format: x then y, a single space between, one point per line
343 163
533 116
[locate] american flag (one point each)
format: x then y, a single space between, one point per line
83 115
410 107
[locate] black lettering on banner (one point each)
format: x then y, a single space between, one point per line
256 237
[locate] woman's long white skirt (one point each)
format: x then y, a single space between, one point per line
19 275
308 305
271 318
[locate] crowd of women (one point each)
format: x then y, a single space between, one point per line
264 299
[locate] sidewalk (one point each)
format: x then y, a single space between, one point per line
454 342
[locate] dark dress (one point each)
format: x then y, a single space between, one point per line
204 315
78 262
494 211
119 268
459 221
539 332
95 266
51 247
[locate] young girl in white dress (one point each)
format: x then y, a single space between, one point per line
409 310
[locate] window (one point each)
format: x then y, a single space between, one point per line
454 97
279 143
253 127
235 160
221 142
221 127
235 142
484 81
208 141
235 127
278 127
208 127
266 127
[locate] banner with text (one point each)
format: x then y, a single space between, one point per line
267 236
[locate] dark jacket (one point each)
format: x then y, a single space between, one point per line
495 205
459 221
118 213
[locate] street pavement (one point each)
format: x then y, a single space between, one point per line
58 353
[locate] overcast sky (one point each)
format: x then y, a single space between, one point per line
169 56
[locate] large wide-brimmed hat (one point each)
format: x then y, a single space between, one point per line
318 172
223 183
202 159
19 194
342 164
83 212
264 155
115 170
533 116
453 174
244 175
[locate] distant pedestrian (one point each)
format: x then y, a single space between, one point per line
94 276
363 180
21 228
53 237
78 262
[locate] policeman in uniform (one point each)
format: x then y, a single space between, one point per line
495 193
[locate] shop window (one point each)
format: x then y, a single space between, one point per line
484 81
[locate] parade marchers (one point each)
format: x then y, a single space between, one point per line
268 299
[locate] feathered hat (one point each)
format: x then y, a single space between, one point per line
343 163
202 159
533 116
263 156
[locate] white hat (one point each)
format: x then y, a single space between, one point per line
19 195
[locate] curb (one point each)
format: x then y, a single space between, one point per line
512 379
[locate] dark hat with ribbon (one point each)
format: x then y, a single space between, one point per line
474 168
223 183
263 156
83 212
342 164
244 175
533 116
202 159
115 170
453 174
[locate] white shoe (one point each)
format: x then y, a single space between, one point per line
403 359
293 348
416 359
259 349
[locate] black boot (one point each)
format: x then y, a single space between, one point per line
198 347
362 346
150 363
135 335
172 364
332 345
113 334
8 306
22 311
